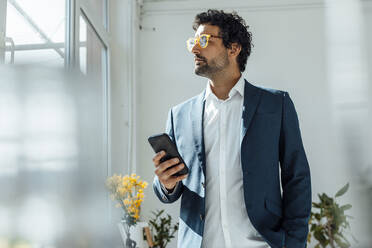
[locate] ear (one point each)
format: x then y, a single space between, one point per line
235 49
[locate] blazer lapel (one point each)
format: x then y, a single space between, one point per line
251 99
197 112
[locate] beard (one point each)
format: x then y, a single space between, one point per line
209 68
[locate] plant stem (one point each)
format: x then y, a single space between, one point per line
330 235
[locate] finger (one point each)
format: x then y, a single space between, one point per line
157 157
179 178
167 175
166 164
159 169
174 180
170 172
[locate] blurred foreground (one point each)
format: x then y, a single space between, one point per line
53 160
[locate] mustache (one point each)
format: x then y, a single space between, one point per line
199 57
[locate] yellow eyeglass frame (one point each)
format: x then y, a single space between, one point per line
191 42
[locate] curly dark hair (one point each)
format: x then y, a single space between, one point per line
232 29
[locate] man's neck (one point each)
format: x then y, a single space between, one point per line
222 84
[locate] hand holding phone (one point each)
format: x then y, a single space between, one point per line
170 167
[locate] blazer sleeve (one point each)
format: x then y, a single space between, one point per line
295 176
162 194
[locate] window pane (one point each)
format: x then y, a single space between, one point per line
83 48
47 57
93 61
99 8
52 160
50 20
92 53
29 22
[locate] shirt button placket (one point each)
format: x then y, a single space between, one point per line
223 178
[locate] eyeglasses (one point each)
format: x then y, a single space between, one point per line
202 40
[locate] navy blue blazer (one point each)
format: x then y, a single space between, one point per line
270 138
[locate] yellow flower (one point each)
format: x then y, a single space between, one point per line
128 191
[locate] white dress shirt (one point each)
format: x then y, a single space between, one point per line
227 224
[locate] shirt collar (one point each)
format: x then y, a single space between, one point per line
238 87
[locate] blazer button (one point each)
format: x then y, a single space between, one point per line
201 217
203 185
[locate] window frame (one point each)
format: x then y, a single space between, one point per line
3 6
75 9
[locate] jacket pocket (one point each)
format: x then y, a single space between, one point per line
273 207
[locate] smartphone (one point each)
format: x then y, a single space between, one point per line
162 142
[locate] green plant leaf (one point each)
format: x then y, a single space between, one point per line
318 235
329 224
313 226
317 216
346 207
163 229
316 205
342 191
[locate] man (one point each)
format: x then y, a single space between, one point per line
233 137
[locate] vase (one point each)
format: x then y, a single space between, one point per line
135 238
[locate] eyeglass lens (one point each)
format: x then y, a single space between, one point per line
203 41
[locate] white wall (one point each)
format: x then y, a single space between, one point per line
121 29
290 53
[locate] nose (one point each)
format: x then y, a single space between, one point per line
196 49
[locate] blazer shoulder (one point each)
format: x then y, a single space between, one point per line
271 100
188 103
271 92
